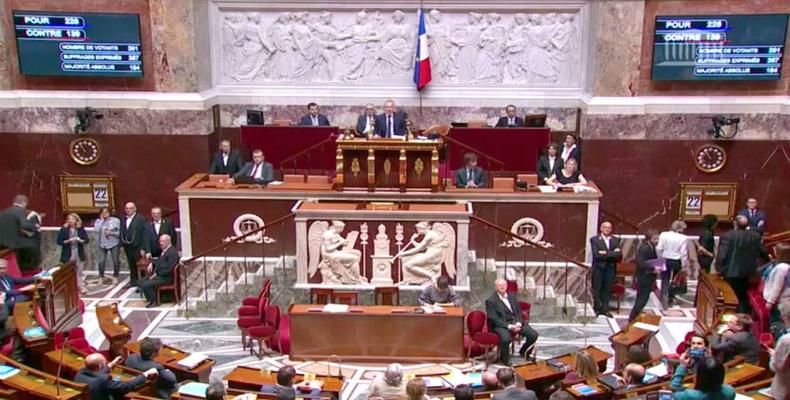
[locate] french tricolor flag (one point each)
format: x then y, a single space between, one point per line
422 62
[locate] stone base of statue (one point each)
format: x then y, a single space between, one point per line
382 270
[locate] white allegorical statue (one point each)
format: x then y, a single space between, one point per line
333 254
423 263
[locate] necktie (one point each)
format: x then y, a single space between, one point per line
6 285
254 171
389 126
469 174
315 121
751 212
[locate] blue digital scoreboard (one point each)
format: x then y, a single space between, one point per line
734 47
78 44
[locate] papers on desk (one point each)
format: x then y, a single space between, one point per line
246 396
47 274
547 189
584 388
275 183
765 392
195 389
7 372
335 308
583 189
739 396
433 382
435 308
474 379
647 327
192 360
659 370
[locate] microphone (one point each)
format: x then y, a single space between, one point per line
339 366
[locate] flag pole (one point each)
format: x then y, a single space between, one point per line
422 15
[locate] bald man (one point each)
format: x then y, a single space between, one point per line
606 254
633 375
133 239
101 386
160 271
505 319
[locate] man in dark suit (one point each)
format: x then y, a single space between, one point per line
391 124
606 254
571 150
162 270
225 161
285 382
7 284
313 118
258 170
511 120
737 259
504 319
646 273
133 239
157 227
101 385
549 164
756 217
19 233
166 382
507 378
738 340
366 123
470 176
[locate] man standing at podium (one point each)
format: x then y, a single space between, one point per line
366 123
511 120
391 124
313 118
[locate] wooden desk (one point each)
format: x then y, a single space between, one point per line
25 318
601 391
34 384
169 357
252 379
114 328
73 361
736 375
601 357
388 164
540 373
630 336
60 299
377 334
715 298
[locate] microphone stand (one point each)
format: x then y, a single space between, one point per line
339 366
565 300
60 369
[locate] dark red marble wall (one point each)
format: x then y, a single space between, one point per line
710 88
141 7
147 167
640 178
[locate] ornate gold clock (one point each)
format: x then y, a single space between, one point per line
710 158
84 151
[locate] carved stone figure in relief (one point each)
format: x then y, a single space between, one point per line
516 50
284 57
334 255
232 41
397 47
540 68
423 262
442 51
255 50
467 39
488 68
333 41
563 41
359 55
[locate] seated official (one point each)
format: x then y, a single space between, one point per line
470 176
738 340
225 161
389 385
285 383
161 270
504 319
313 117
584 367
439 293
549 164
510 120
391 124
366 123
567 176
708 381
258 170
101 385
633 375
215 391
507 378
166 382
7 283
463 392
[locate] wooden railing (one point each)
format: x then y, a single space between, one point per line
293 159
620 220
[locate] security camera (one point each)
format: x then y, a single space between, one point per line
85 118
719 122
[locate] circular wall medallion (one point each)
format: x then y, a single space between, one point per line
528 228
710 158
84 151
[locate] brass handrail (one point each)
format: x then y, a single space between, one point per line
305 151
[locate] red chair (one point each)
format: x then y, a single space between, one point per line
246 322
477 332
512 287
253 300
174 287
681 348
283 343
526 308
250 309
618 293
267 331
760 313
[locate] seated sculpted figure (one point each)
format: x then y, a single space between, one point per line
423 262
339 261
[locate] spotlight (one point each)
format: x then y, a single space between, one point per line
85 118
719 122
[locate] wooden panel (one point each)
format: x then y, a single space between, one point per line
377 334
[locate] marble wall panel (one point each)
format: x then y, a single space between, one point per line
114 121
682 127
5 79
617 49
175 58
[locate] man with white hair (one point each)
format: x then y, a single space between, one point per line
673 247
505 319
101 385
366 123
391 124
161 270
389 385
157 227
